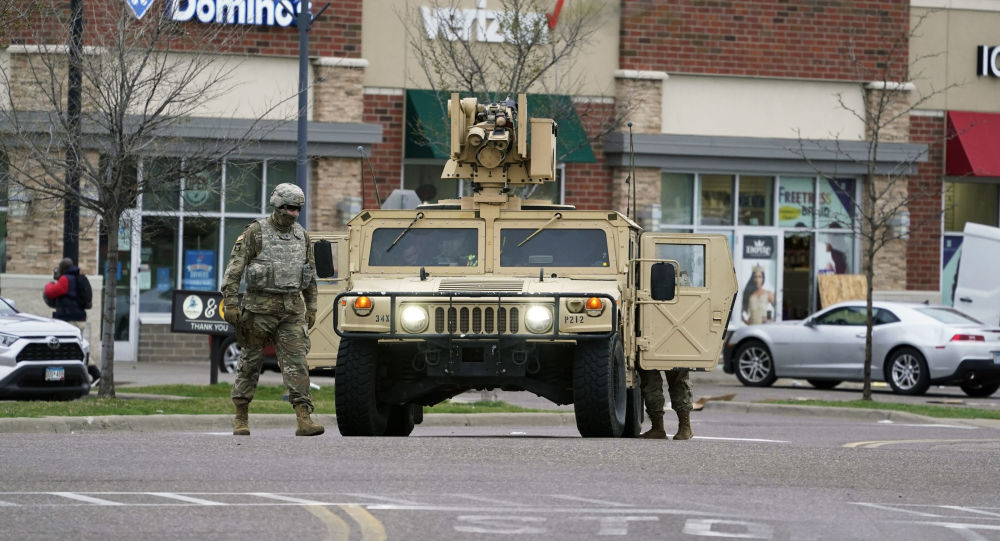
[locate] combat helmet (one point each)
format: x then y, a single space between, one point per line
287 194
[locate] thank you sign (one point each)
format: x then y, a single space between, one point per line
139 7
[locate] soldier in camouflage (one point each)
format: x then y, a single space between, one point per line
679 386
278 307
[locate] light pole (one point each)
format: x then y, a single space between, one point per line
74 91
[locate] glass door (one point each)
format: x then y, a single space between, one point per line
126 330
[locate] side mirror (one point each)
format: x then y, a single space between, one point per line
663 281
323 253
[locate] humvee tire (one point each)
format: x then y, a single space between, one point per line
599 392
633 413
401 420
359 413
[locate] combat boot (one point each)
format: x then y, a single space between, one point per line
657 432
683 425
241 424
306 426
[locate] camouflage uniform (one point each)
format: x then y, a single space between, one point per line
678 385
279 303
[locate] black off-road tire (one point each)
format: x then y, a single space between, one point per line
599 392
634 413
359 412
979 389
906 372
401 420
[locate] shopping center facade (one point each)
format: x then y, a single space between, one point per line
746 121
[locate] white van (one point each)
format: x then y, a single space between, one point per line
977 286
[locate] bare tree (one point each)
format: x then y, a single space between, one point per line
879 213
522 47
142 81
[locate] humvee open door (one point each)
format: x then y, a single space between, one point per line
331 253
688 329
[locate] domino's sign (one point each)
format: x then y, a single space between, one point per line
248 12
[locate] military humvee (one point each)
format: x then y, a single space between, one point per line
497 292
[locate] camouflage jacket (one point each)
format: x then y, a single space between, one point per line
248 246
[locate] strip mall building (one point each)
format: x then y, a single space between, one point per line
724 97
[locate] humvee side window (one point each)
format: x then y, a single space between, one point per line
692 261
554 248
424 247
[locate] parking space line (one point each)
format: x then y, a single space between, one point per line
87 499
897 509
589 500
383 498
882 443
289 499
488 500
971 510
183 498
336 527
739 439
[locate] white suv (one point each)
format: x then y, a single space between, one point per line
40 358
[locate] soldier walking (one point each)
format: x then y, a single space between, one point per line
279 306
679 386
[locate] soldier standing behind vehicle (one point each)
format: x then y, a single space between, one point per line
679 386
279 306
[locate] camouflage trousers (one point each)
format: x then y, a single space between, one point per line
288 334
678 384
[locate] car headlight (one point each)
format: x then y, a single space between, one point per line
538 319
7 339
413 319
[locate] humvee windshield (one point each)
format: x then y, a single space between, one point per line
554 248
424 247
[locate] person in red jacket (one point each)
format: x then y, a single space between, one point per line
71 296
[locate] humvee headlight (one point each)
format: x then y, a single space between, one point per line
362 306
538 319
594 306
413 319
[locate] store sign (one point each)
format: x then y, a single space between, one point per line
479 24
758 247
198 312
986 65
252 12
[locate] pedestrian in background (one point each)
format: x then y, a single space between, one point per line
679 387
278 307
71 295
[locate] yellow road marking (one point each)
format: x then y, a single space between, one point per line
874 444
336 527
371 528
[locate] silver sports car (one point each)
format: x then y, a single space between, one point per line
913 346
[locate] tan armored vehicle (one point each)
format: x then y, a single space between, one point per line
495 292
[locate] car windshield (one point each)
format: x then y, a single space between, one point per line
6 309
424 247
554 248
948 315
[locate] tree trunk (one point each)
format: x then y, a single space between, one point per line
112 221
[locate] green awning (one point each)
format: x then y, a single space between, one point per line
427 128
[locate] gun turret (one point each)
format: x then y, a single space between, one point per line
489 144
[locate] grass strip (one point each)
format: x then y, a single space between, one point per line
948 412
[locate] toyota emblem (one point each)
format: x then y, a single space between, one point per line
52 342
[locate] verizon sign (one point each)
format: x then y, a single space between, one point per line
477 24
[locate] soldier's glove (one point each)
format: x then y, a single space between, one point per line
310 318
232 314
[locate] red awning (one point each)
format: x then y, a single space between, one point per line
973 144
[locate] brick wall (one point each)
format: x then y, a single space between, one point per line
157 343
924 250
384 108
765 38
588 185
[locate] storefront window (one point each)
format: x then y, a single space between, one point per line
203 187
200 261
834 253
756 200
716 200
158 263
278 172
836 203
676 198
244 182
796 201
160 195
425 179
969 202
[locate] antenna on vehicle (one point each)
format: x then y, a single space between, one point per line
361 149
631 171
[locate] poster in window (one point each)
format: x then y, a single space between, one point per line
757 266
836 202
199 270
796 202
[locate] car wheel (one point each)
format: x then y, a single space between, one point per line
599 391
906 372
633 411
824 383
359 412
227 355
979 389
754 364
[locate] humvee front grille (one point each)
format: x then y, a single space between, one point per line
478 285
477 320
